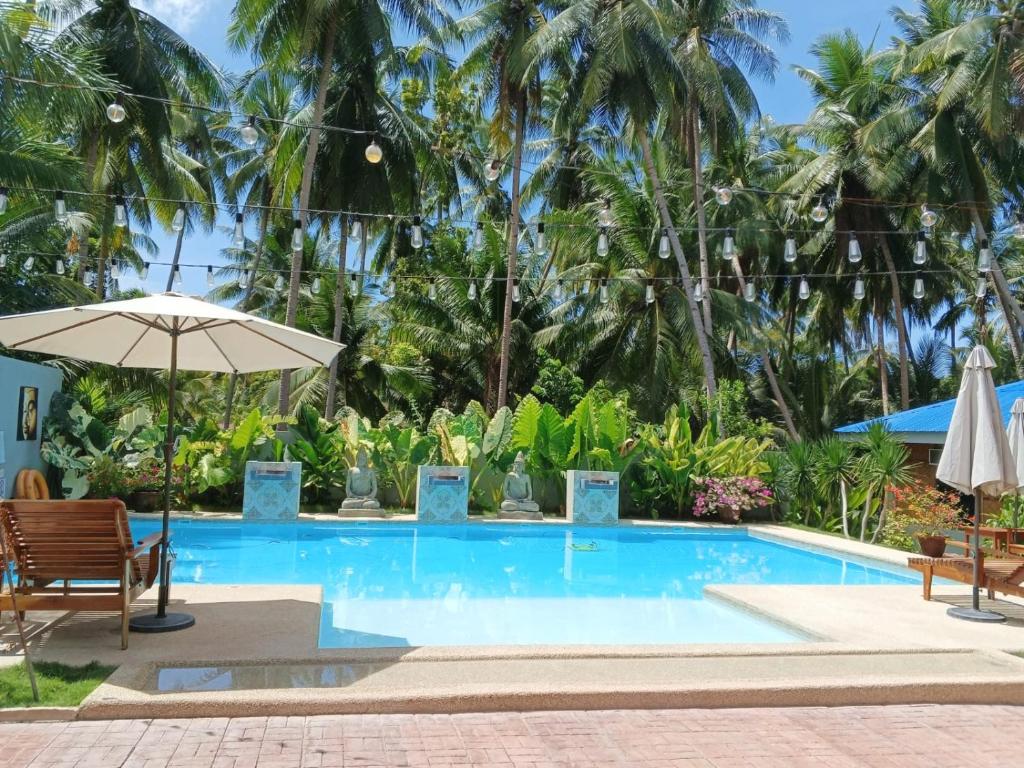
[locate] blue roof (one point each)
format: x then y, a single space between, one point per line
935 417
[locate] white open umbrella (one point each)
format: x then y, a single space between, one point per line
173 331
1015 435
976 457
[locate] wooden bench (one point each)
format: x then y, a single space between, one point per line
61 549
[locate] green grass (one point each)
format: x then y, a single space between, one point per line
59 684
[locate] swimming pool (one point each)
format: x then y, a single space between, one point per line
397 584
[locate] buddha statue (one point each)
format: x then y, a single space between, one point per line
361 487
518 491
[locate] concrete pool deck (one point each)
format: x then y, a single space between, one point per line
870 645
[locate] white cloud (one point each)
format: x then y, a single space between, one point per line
180 15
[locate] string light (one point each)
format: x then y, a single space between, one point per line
178 222
853 252
559 291
492 170
515 291
602 242
144 274
789 252
120 214
60 207
604 216
723 195
58 266
373 153
209 276
279 283
177 277
858 288
416 239
985 257
819 212
248 131
1018 227
243 281
432 289
478 237
664 247
353 284
298 242
921 249
750 291
928 217
603 291
918 286
3 259
805 288
29 263
980 287
115 269
540 246
472 290
316 285
238 239
4 195
698 291
729 245
355 230
115 111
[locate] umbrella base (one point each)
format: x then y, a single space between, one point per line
973 614
170 622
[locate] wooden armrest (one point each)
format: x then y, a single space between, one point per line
145 545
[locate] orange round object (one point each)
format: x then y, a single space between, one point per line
30 484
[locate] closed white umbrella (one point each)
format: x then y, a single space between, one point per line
976 457
1015 436
173 331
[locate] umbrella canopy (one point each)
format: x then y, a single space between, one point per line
137 333
976 455
1015 436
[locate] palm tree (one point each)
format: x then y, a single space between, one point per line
883 466
835 471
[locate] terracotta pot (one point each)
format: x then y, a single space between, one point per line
932 546
726 515
146 501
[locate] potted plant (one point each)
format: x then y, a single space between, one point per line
147 483
729 497
927 513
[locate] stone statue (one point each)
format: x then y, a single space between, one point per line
518 491
361 487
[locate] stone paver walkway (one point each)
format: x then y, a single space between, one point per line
893 737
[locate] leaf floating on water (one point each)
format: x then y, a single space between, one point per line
591 547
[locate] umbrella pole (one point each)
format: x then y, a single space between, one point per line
975 613
163 621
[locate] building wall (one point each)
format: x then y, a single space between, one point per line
16 454
922 469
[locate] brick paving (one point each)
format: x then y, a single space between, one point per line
893 737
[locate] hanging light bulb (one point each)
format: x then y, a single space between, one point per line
353 284
603 292
432 289
698 291
1018 227
664 245
805 288
493 169
478 237
559 290
750 291
3 259
985 257
819 212
355 230
29 263
723 195
374 154
416 239
115 269
178 222
316 284
59 266
178 282
238 238
602 242
115 111
928 216
298 241
604 216
540 245
4 194
981 287
921 248
120 213
858 288
248 131
729 244
515 291
209 276
649 293
60 207
279 283
586 287
144 274
789 252
918 286
853 252
243 281
472 290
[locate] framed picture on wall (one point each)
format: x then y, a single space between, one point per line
28 413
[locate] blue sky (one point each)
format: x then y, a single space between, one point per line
204 24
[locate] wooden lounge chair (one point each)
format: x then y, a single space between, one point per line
999 572
58 545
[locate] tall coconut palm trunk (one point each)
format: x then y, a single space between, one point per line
339 318
901 327
513 246
88 171
883 366
702 223
250 286
292 311
703 343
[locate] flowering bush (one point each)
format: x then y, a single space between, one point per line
926 508
109 478
730 497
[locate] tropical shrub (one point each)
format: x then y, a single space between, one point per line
918 508
729 497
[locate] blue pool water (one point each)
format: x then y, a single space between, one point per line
398 584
